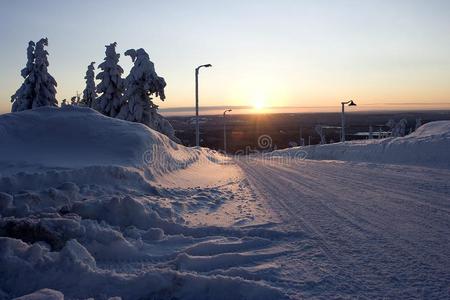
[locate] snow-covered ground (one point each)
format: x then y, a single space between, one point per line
428 146
369 230
97 207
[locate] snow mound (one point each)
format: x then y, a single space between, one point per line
78 144
427 146
78 136
437 129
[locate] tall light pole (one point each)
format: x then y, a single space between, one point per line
225 131
349 103
197 127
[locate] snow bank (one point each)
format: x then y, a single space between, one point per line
78 137
80 145
428 146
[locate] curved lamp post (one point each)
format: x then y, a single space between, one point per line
348 103
197 128
225 130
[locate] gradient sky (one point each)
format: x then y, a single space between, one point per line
281 53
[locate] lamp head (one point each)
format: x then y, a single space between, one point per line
206 66
352 103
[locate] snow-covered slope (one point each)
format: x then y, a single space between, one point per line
80 145
92 206
428 146
78 137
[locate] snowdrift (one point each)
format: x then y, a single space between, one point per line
78 137
428 146
80 145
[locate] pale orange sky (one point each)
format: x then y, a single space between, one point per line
271 53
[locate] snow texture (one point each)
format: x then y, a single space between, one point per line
39 87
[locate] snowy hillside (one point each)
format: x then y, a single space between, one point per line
86 211
428 146
79 137
80 145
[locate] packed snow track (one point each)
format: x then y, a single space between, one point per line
379 230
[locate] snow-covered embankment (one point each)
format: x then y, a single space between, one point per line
428 146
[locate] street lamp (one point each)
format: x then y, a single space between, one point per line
225 131
349 103
197 128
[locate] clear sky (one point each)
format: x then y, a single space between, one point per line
275 53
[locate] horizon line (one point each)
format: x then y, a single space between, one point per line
211 107
250 110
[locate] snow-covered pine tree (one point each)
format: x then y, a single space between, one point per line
23 98
402 127
39 87
111 85
44 83
140 85
89 93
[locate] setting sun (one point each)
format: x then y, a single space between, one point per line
259 102
258 105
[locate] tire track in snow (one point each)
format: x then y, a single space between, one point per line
348 215
326 174
259 181
273 178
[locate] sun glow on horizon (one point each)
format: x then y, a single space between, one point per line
259 102
258 105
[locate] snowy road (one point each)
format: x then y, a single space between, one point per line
372 230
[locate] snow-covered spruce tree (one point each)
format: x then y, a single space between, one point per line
89 93
23 98
44 83
111 85
39 88
140 85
